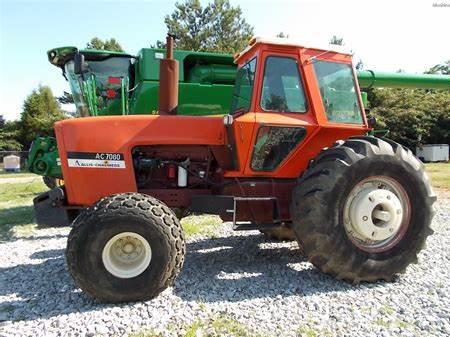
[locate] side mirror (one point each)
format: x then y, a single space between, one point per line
80 66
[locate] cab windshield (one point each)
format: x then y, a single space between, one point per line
102 89
338 90
243 87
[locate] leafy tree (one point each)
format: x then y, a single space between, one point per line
413 117
9 135
66 98
443 69
282 35
40 111
99 44
337 40
359 65
216 27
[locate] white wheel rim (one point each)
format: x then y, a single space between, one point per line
376 213
126 255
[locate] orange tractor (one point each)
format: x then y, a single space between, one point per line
292 155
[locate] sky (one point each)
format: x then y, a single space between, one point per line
387 35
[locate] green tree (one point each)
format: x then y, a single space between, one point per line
218 26
40 111
337 40
111 44
282 35
9 135
443 68
413 117
66 98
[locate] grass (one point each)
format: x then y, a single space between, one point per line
306 331
19 193
214 327
439 174
388 319
217 327
147 333
205 225
4 174
16 210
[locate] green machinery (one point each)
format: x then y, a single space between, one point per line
116 83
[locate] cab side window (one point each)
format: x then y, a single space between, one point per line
282 88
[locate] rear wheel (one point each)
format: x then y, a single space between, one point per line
363 209
127 247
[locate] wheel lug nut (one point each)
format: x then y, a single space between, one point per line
365 218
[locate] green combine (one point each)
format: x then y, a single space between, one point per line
116 83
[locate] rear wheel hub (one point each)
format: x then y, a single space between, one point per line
376 214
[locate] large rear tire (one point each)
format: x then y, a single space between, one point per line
362 210
127 247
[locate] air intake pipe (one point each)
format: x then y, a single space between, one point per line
168 80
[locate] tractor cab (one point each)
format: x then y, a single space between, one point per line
98 79
284 95
290 75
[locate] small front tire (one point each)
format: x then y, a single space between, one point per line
127 247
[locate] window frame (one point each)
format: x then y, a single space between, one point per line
289 154
355 85
242 110
302 83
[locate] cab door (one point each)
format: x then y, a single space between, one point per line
284 119
240 123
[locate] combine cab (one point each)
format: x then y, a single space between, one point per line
115 83
292 154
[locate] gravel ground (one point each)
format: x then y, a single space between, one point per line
266 286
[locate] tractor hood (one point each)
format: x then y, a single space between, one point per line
97 150
60 56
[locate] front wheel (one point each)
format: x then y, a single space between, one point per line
52 182
363 209
127 247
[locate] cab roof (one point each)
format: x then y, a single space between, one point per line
60 56
289 43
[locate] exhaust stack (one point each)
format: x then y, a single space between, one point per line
168 81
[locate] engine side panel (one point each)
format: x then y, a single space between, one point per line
96 152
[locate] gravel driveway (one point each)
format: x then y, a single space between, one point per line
266 286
